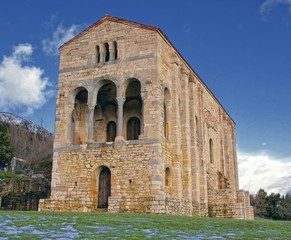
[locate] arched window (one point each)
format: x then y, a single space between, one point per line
115 50
111 131
97 54
133 128
211 150
167 176
106 52
80 117
133 110
105 113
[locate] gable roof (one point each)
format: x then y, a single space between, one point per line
113 19
148 27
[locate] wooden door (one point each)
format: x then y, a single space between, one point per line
104 188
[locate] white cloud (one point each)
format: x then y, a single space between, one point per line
22 86
268 5
264 171
60 36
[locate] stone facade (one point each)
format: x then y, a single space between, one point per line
137 130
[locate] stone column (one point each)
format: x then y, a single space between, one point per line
185 123
234 160
168 121
202 152
102 53
176 134
222 144
143 98
193 140
112 51
120 102
70 129
91 123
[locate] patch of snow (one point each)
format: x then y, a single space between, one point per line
19 121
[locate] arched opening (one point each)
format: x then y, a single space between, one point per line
111 131
167 177
80 117
132 109
97 54
210 150
115 50
166 112
105 112
106 52
104 187
133 128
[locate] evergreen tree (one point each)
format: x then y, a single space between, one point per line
284 210
273 204
260 203
6 153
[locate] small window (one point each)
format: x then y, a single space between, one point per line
111 131
97 54
133 128
106 52
115 50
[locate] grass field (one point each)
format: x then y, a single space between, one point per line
41 225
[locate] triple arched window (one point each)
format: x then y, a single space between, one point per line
103 122
106 52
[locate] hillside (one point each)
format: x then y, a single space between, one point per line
29 175
31 143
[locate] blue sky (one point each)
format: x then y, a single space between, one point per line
241 49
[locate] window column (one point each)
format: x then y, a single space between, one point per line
120 102
91 123
112 51
143 96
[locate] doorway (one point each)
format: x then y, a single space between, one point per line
104 188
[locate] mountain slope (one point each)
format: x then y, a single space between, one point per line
31 143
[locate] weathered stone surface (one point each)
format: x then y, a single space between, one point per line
137 130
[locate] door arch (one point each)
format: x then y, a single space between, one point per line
104 187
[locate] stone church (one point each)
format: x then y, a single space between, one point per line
137 130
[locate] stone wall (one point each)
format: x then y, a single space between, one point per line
23 194
243 197
136 176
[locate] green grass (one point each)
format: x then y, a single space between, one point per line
42 225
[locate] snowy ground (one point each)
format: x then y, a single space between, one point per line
66 226
13 227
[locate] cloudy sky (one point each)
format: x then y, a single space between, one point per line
241 49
